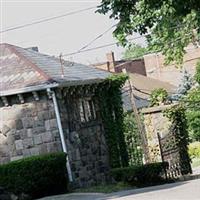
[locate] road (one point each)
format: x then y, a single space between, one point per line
189 190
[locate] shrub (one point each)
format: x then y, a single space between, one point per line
144 175
158 96
194 150
36 176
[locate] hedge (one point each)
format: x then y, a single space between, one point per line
35 176
143 175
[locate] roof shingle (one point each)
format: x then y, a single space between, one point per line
21 68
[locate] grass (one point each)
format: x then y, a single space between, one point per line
108 188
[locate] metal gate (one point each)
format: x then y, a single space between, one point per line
175 154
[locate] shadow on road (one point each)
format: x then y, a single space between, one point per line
144 190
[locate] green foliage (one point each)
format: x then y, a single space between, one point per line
133 140
111 107
135 51
179 128
141 175
171 24
192 102
194 150
158 96
193 118
36 176
184 87
197 75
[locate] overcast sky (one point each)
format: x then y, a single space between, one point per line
63 35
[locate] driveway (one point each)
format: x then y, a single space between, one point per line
189 190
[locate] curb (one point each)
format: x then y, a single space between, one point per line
189 177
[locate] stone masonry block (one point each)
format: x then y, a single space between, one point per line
19 144
28 143
37 139
47 125
47 137
34 151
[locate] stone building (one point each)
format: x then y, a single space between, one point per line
48 105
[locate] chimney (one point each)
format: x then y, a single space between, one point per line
111 61
33 48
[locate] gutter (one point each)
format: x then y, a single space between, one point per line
62 137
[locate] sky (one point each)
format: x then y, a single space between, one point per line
63 35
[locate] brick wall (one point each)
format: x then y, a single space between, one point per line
155 67
132 66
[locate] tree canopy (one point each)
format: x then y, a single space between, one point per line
135 51
193 103
169 25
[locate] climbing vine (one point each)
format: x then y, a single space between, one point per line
111 108
158 97
176 115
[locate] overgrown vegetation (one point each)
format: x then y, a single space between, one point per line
194 150
135 51
169 26
111 107
141 175
158 97
192 102
36 176
179 128
133 140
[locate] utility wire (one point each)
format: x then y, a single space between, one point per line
99 36
46 20
115 43
102 46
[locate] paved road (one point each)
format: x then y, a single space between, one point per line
176 191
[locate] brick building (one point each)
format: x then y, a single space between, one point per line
155 68
49 106
132 66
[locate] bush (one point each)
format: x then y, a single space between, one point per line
158 97
144 175
194 150
35 176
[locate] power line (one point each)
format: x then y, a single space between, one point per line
102 46
111 44
46 20
99 36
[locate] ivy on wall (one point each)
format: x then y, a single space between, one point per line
111 107
133 140
176 115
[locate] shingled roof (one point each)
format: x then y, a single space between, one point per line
25 69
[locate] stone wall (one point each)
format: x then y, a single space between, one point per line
155 122
30 128
85 141
27 129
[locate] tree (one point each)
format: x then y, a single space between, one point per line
192 102
184 87
135 51
171 25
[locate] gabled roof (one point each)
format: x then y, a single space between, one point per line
26 69
143 85
142 88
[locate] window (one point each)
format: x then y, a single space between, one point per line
87 110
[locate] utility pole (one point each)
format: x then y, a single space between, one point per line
61 63
138 121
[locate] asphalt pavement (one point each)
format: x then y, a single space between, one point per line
185 190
